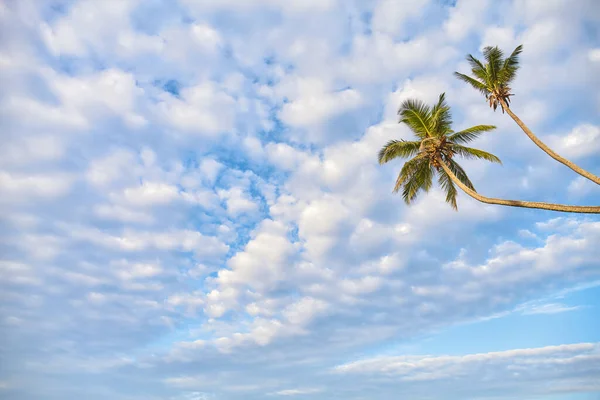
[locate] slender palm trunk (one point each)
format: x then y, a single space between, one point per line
518 203
548 150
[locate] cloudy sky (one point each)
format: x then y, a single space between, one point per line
191 206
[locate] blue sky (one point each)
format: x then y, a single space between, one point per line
192 207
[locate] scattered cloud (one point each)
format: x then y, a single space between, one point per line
296 392
552 308
582 141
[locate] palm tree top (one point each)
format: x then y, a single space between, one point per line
494 77
435 143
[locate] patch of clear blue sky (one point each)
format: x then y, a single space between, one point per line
150 16
513 331
574 396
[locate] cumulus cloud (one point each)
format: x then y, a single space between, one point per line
150 193
28 150
204 109
582 141
22 187
313 104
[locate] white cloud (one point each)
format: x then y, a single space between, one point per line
582 141
204 109
178 43
43 247
264 261
426 89
151 193
467 16
123 214
29 150
292 6
378 58
90 96
210 168
581 356
128 271
551 308
83 30
238 201
538 37
195 382
46 115
111 168
130 240
191 300
18 273
21 187
297 392
389 16
323 216
503 37
312 102
285 156
581 186
304 310
364 285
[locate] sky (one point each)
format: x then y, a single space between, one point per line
192 209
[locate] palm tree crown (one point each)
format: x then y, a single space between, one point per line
493 78
435 143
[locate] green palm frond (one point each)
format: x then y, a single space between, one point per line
398 149
495 60
511 66
460 174
473 82
493 78
409 169
477 68
436 145
420 180
470 134
448 187
441 119
417 115
469 152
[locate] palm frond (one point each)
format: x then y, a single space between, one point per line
469 152
448 187
477 68
495 59
398 149
420 180
510 66
437 144
408 170
417 115
441 119
473 82
470 134
460 173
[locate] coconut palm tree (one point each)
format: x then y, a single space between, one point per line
434 152
493 79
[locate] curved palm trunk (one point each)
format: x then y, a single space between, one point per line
518 203
548 150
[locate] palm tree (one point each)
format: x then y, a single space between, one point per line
434 151
493 79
